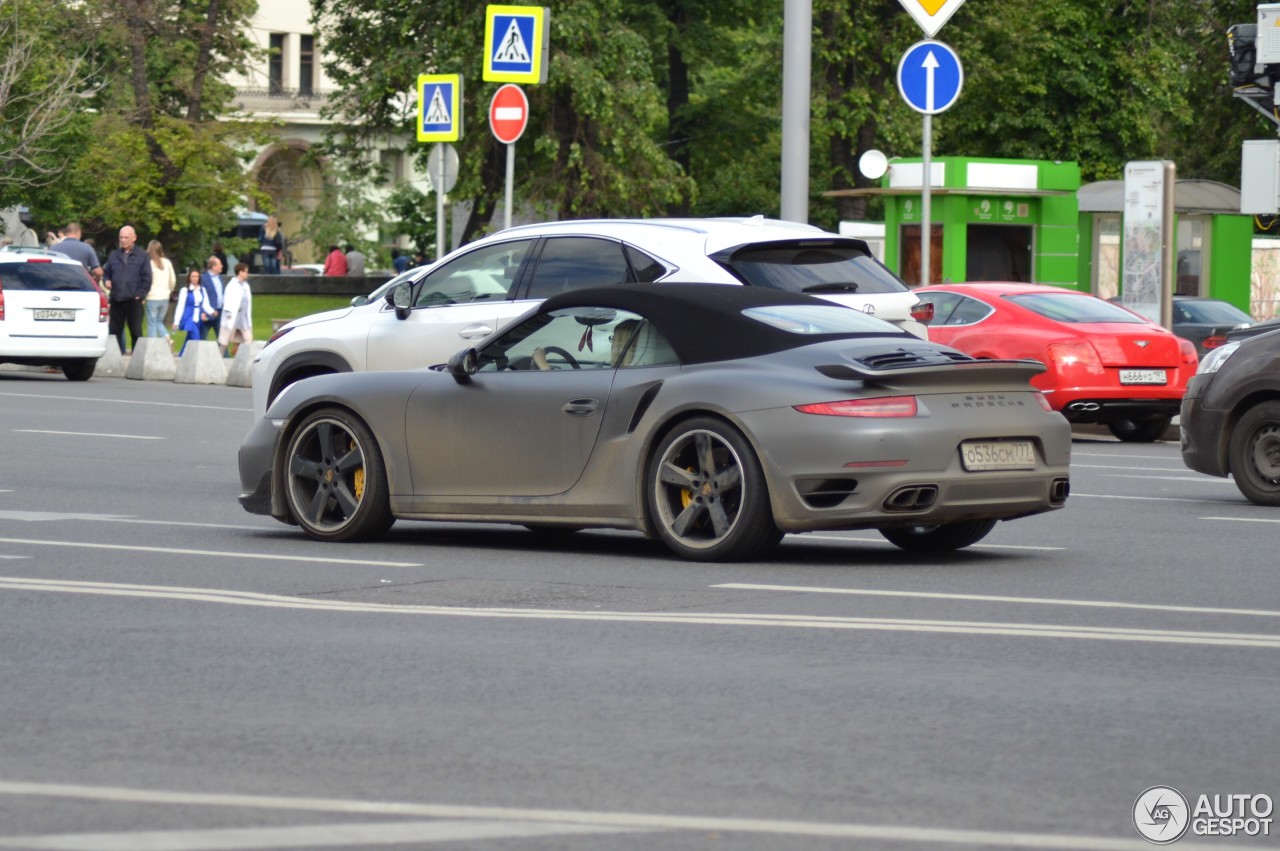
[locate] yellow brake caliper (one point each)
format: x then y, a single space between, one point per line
358 478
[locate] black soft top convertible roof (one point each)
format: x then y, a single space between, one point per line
704 322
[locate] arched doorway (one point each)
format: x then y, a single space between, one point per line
295 187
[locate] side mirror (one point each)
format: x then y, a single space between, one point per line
463 365
401 298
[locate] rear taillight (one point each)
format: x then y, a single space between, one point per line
1076 354
1 303
885 406
1044 401
1213 341
104 307
1188 350
922 312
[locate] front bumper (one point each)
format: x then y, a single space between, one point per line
1204 432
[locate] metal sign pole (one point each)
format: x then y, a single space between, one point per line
926 199
510 186
440 210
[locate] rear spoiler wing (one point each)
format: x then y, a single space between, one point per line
1018 372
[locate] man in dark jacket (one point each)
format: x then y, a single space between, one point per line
127 277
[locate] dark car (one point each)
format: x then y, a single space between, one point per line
713 418
1206 321
1257 328
1231 417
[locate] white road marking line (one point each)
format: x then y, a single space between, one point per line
14 557
87 434
810 536
619 820
127 402
44 516
245 598
1075 495
1245 519
1206 479
1075 454
984 598
1076 466
211 553
352 835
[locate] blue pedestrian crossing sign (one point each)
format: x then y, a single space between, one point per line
930 77
515 44
439 107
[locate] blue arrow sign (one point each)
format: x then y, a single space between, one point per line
930 77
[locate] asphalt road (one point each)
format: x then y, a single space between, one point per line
178 674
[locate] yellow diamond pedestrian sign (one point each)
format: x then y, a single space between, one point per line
931 14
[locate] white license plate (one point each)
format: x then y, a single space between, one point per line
998 455
47 313
1143 376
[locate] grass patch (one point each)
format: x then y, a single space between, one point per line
267 307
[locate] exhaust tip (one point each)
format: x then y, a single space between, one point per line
911 498
1059 490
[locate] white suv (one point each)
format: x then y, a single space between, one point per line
482 286
51 312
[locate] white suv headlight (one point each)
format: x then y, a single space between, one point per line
1216 358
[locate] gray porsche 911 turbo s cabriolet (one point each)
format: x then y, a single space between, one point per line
714 418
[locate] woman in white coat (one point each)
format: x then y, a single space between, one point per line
237 310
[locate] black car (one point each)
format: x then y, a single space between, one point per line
1231 416
1206 322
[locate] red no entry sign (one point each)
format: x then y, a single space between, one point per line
508 113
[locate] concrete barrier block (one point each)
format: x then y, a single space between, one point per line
152 360
201 363
241 372
112 362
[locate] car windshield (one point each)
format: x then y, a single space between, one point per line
814 266
1066 307
1211 311
45 276
820 319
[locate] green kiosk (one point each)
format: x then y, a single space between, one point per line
991 220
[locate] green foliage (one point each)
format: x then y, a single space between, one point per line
346 210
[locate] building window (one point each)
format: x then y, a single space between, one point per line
275 64
392 166
307 65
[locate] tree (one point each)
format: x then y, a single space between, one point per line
160 157
40 104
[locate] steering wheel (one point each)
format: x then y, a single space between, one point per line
568 358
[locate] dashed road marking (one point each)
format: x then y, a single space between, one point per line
1029 630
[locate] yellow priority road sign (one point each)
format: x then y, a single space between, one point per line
931 14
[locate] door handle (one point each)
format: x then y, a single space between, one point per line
581 407
473 332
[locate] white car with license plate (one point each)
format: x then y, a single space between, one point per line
51 312
487 284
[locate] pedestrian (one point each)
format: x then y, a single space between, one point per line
399 261
336 263
127 278
270 245
163 281
355 262
193 312
27 237
71 246
237 311
211 280
419 258
221 255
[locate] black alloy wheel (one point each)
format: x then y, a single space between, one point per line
335 481
707 496
940 538
1254 453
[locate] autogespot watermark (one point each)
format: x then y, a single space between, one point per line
1162 815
